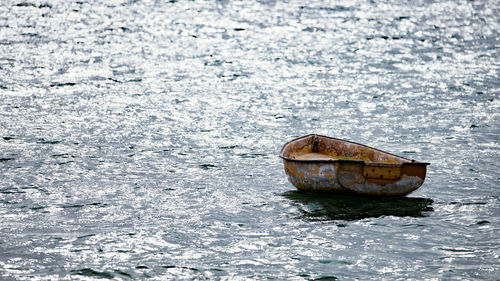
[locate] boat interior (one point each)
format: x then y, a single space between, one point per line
316 147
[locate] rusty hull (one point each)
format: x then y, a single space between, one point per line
320 163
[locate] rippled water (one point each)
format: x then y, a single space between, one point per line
139 139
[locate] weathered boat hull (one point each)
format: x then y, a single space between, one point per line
324 164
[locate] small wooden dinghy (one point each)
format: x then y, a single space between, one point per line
319 163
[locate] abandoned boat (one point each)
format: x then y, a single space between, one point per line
325 164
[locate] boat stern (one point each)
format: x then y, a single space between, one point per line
381 179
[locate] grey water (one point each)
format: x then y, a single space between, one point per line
140 139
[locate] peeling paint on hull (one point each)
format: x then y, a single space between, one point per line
313 176
324 164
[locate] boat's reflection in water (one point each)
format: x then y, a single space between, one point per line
314 206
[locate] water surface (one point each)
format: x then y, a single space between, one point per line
139 139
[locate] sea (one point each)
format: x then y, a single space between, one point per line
140 139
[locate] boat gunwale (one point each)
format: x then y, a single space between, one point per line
411 161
